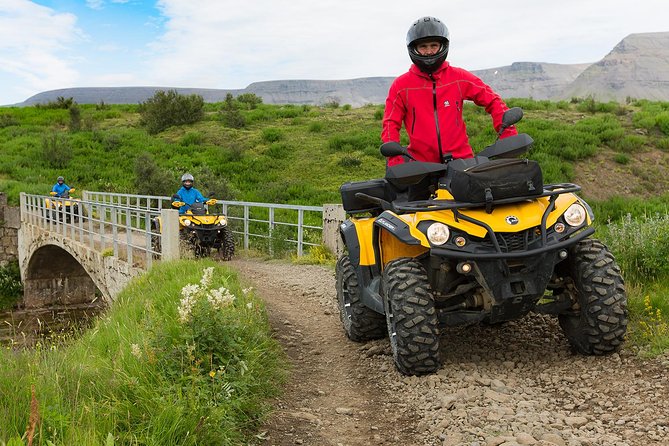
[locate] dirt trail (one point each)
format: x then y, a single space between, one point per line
508 385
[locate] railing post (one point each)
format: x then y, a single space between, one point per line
333 216
246 227
169 236
271 231
300 236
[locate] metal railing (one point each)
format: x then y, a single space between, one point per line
121 230
270 224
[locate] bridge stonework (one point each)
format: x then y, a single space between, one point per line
57 270
9 228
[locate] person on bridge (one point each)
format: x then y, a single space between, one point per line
60 188
429 99
188 194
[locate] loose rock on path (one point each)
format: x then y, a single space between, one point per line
512 384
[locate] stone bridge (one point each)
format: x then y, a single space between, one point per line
73 254
85 253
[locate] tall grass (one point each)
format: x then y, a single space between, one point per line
164 366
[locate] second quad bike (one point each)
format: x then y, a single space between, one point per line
202 230
62 208
479 240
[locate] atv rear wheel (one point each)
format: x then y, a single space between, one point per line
360 322
598 320
227 249
411 317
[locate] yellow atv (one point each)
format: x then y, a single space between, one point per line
478 240
201 230
63 207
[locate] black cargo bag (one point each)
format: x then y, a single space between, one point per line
496 180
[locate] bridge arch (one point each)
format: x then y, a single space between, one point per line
54 277
59 269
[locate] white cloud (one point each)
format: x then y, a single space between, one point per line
33 47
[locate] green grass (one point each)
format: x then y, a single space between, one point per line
141 375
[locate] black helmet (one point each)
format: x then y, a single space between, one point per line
187 177
428 29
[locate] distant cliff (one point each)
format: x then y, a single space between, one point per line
638 67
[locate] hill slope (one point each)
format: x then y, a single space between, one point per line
638 67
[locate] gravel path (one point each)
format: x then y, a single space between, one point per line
512 384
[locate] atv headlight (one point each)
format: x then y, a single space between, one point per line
187 222
222 222
438 233
575 215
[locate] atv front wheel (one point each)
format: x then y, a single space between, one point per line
411 317
360 322
227 249
598 320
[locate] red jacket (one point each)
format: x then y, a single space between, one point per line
431 109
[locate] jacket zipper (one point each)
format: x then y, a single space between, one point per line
436 117
413 121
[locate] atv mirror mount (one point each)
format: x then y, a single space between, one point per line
393 148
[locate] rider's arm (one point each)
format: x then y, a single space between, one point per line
484 96
393 117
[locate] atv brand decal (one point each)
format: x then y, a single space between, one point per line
512 219
386 224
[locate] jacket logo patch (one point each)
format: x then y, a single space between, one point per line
447 104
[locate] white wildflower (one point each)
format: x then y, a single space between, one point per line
206 277
247 290
186 307
249 305
220 298
190 290
136 351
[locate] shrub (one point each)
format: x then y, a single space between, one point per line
378 113
278 150
316 127
230 114
56 150
629 143
349 161
621 158
251 100
165 109
75 118
271 134
662 121
60 102
11 288
150 179
7 120
191 139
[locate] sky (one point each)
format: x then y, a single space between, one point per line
229 44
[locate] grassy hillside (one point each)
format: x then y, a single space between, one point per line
302 154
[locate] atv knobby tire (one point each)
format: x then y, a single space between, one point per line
360 322
598 320
227 249
413 325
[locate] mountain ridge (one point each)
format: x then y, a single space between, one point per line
637 67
